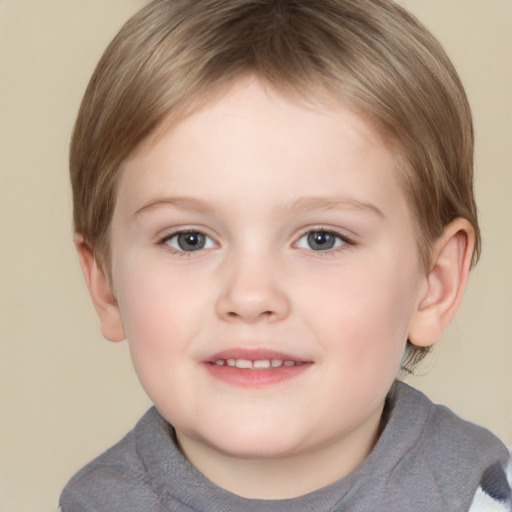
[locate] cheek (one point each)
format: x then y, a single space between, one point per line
364 315
159 313
161 323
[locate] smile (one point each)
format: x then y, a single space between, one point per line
254 367
259 364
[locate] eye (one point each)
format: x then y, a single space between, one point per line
321 240
189 241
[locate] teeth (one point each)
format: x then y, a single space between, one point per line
261 364
258 364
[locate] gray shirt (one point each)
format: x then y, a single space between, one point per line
426 459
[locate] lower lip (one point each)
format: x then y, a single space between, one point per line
255 377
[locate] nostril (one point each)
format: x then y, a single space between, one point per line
251 316
254 317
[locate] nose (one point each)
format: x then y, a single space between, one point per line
252 291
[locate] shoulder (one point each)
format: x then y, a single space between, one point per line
117 476
442 431
458 458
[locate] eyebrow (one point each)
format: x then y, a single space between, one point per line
301 204
332 203
181 202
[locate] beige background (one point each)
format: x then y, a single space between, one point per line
65 394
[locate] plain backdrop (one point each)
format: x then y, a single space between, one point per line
65 393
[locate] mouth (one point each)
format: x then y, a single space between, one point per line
254 368
258 364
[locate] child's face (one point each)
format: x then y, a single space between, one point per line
260 229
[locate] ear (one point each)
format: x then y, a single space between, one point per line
445 283
100 291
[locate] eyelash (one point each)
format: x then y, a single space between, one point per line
181 252
345 242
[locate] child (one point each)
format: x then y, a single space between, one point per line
273 204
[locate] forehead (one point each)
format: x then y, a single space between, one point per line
252 136
245 92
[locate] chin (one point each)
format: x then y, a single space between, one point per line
253 443
251 450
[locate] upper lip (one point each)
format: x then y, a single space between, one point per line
254 354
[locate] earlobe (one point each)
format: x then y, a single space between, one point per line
100 291
445 283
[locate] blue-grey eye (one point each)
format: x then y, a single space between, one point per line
189 241
320 240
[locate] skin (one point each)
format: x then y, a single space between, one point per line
255 175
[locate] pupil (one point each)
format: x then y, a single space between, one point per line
191 241
321 240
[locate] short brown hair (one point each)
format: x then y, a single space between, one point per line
371 54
